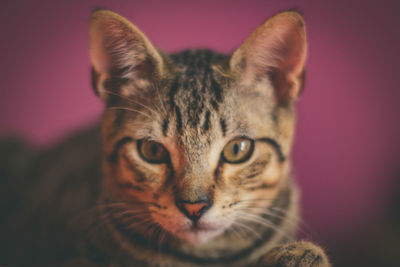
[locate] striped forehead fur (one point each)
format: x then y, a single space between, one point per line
195 91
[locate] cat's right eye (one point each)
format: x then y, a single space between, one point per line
151 151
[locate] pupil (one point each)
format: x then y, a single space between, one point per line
235 149
154 149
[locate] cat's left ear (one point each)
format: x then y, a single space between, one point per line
276 50
120 51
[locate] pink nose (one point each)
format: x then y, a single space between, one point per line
194 210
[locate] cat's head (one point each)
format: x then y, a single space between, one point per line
196 143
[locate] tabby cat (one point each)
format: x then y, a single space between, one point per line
195 160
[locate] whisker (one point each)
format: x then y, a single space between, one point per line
287 218
130 100
109 212
136 223
132 110
266 211
254 200
233 231
249 229
304 228
259 220
101 207
161 239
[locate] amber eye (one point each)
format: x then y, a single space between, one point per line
152 152
238 150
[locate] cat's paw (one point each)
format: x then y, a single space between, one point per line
301 254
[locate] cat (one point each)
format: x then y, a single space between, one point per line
191 168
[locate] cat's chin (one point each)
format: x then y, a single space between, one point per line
198 236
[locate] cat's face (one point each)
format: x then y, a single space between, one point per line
196 143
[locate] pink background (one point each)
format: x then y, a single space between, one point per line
347 147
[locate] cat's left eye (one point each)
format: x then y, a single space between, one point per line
238 150
152 152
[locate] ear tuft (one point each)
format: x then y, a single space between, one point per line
277 49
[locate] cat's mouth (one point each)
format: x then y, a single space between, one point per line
195 228
199 226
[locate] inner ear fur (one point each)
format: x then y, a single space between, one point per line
276 50
119 50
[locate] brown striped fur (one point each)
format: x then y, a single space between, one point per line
194 103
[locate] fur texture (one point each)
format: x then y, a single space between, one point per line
173 188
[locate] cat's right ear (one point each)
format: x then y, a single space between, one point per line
120 51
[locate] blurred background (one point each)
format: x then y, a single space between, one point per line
346 152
